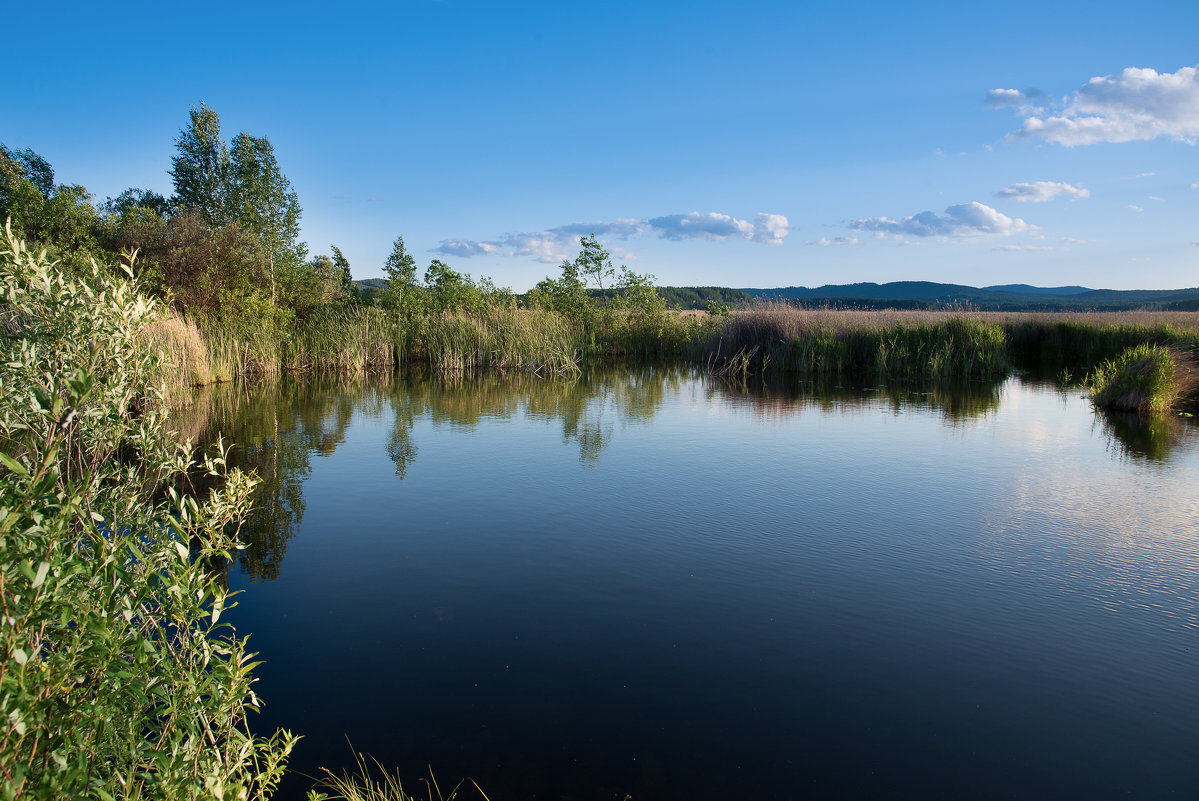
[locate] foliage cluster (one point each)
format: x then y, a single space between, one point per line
225 245
118 678
1144 378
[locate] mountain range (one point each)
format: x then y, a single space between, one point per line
1003 297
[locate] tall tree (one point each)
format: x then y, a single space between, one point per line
345 278
401 273
261 198
29 165
200 168
593 264
26 185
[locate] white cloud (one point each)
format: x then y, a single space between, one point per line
1146 174
1042 191
556 244
840 241
965 220
1138 104
701 226
1132 207
770 229
999 98
1069 240
1155 197
623 228
466 248
1195 185
1023 249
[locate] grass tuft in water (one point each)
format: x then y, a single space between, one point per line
1144 378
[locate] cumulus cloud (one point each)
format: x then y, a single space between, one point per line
965 220
623 228
1138 104
1042 191
466 248
770 229
556 244
701 226
840 241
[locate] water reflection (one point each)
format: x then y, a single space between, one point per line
787 395
1136 437
278 428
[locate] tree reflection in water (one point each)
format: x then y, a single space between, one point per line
276 428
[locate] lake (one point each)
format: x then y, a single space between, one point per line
648 583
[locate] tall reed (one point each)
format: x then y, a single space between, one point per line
345 340
777 336
536 341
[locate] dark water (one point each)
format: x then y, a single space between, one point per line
647 584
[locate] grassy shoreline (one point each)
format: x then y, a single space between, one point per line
765 339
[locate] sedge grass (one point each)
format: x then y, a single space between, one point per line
370 781
1144 378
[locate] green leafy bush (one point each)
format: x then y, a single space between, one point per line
118 678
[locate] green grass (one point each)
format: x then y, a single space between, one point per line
370 781
1144 378
769 337
779 337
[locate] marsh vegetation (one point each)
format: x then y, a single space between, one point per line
121 676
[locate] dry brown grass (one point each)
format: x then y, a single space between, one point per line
796 321
186 361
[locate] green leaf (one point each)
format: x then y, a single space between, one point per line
218 605
13 465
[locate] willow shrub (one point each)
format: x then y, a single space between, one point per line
118 678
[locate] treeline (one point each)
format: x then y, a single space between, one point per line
225 247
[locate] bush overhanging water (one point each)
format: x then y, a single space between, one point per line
119 679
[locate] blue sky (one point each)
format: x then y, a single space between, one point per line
736 144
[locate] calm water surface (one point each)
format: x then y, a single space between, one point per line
649 584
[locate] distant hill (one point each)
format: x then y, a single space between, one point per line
921 295
1006 297
1025 289
697 297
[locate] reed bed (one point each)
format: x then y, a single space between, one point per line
348 341
622 334
242 355
185 361
355 341
933 343
893 343
534 341
961 345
